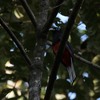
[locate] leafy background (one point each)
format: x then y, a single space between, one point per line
13 68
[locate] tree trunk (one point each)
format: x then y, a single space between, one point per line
38 54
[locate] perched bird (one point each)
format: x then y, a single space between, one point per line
67 56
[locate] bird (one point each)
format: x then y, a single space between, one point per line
67 56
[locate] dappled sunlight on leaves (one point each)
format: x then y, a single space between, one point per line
85 41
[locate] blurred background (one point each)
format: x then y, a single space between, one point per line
85 41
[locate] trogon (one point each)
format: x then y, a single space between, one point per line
67 56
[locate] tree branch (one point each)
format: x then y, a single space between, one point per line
14 38
52 17
55 67
38 53
86 61
80 58
29 13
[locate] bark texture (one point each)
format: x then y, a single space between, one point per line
38 54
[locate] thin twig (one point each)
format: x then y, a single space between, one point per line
86 61
56 6
19 45
29 13
80 58
52 17
55 67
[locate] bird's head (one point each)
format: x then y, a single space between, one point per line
56 35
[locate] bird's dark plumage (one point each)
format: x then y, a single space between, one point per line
67 56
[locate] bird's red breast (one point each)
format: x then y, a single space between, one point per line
66 56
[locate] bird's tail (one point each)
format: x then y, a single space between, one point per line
71 72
